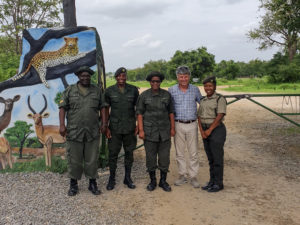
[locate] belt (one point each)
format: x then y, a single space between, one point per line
187 121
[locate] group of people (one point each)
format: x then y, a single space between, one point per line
155 116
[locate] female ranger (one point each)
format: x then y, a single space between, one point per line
211 114
156 125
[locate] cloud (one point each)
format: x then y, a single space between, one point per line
143 41
139 41
124 9
243 29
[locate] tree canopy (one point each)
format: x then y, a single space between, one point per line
15 16
279 26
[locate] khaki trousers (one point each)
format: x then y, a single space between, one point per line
187 137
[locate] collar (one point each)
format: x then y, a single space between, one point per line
211 97
118 89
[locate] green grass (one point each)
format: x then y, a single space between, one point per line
259 85
254 85
58 166
289 131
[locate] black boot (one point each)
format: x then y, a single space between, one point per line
111 181
152 185
93 187
208 185
127 178
73 187
163 183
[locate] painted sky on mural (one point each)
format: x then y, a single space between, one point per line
134 32
86 43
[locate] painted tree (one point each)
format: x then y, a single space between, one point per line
280 25
17 15
18 134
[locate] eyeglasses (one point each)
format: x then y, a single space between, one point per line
155 81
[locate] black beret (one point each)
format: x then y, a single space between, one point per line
84 69
120 70
211 79
155 74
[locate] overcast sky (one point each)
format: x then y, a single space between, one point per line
134 32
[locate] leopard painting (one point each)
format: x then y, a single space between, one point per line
43 60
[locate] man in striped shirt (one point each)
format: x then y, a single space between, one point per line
185 97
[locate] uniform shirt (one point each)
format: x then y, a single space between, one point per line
82 112
155 108
122 118
185 103
209 108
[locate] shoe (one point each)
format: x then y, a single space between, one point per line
127 178
194 182
163 183
215 188
93 187
181 180
73 188
111 181
208 185
152 185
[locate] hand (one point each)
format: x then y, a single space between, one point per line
173 132
203 134
142 134
62 130
136 131
207 132
103 128
108 133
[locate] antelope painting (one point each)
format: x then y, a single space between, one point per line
47 134
5 153
6 116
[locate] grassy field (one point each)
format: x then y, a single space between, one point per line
253 85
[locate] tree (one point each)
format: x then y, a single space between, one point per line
227 69
9 64
200 62
18 134
279 26
17 15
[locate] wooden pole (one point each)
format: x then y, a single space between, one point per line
69 13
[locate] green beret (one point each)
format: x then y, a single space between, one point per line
155 74
211 79
84 69
120 70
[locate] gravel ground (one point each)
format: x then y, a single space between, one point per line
41 198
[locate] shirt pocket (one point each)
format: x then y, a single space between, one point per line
147 128
74 100
94 102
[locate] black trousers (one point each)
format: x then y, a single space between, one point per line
214 148
114 146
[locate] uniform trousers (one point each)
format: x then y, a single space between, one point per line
114 146
214 148
83 157
187 137
160 149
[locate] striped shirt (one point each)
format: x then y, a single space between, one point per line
185 103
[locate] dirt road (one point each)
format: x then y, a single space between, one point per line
262 184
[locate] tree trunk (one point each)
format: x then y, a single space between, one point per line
69 13
20 151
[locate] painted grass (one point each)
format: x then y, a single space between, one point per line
58 166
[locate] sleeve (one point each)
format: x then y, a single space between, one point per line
106 98
103 103
136 95
64 100
222 105
198 95
140 106
199 110
170 105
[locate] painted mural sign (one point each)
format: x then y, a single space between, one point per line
28 100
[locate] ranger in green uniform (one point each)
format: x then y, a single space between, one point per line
81 103
211 113
121 98
156 126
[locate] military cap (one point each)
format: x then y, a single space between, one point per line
211 79
84 69
155 74
183 70
120 70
